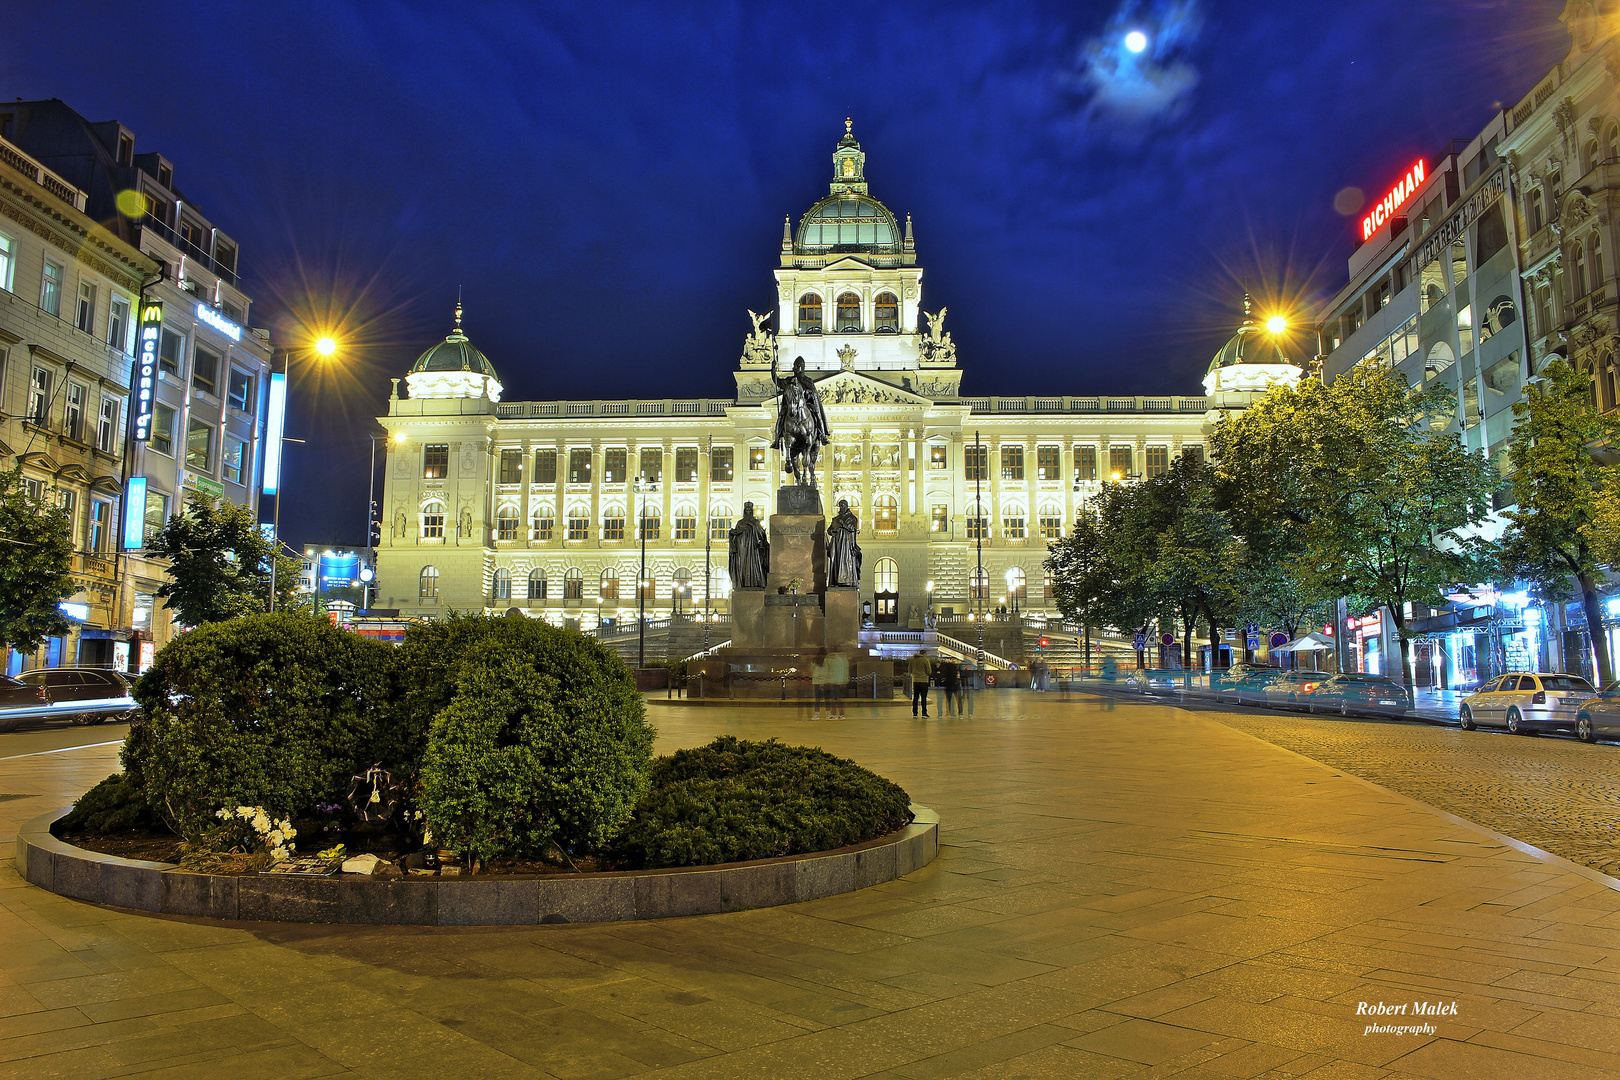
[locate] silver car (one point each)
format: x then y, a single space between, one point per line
1525 703
1599 715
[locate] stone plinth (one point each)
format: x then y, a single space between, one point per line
794 500
794 621
798 552
843 618
747 618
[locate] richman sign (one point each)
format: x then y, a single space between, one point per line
1385 208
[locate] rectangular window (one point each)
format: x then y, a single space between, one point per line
613 525
157 513
545 467
231 460
579 526
84 312
1012 462
205 371
39 396
506 524
107 425
941 518
1051 525
73 411
162 438
652 464
719 526
512 467
433 521
50 288
978 526
975 463
240 393
686 526
118 324
1049 462
579 466
1119 463
545 523
609 587
938 457
613 467
1012 523
35 489
651 526
756 459
100 524
720 465
435 461
686 465
8 261
199 446
1158 460
1194 453
70 503
1085 464
171 346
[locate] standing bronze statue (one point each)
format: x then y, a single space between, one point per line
843 552
750 557
801 423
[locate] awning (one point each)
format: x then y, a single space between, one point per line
1312 642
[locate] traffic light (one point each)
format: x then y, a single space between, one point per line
1042 643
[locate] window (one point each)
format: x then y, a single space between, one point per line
978 524
171 346
886 319
809 314
849 312
579 523
157 513
682 588
647 587
686 465
1194 453
511 466
162 437
428 583
34 488
506 522
501 586
573 584
719 583
70 503
1119 463
84 312
231 458
938 457
975 461
433 521
118 324
8 261
1017 585
199 446
1158 460
435 461
756 459
608 588
240 392
978 584
73 411
613 523
1051 521
650 524
545 466
126 150
613 467
1535 211
685 523
1085 464
1459 263
100 524
941 518
544 524
720 465
1595 256
719 522
39 396
537 584
885 514
1012 522
50 288
1465 327
579 466
1049 462
652 464
205 371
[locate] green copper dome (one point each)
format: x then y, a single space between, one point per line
1252 344
455 353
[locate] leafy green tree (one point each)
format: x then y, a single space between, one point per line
1559 485
219 563
36 563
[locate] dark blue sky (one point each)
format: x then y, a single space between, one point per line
606 182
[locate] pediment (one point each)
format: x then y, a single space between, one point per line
78 474
41 461
107 484
853 388
848 262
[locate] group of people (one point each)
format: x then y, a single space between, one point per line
828 677
954 679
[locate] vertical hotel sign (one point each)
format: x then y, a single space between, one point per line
146 358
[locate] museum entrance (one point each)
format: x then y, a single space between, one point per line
886 592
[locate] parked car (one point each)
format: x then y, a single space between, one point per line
1526 703
1599 715
17 698
81 695
1376 694
1156 681
1242 682
1293 689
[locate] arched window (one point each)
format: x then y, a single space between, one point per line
719 522
1611 143
1017 585
849 312
886 576
719 583
685 523
573 584
682 591
579 522
428 583
545 523
647 587
1578 278
501 587
810 313
1593 155
1595 255
651 526
613 523
979 584
1614 387
886 515
978 522
1012 522
1440 358
1051 521
433 521
609 585
506 522
886 316
537 584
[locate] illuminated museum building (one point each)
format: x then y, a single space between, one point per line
490 504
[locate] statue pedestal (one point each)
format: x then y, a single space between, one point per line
747 618
798 553
794 622
843 618
797 500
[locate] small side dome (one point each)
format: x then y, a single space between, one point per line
453 368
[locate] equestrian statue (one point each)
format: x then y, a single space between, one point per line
801 423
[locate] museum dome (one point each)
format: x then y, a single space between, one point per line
1252 344
453 368
849 222
454 353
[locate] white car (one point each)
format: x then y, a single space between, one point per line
1526 703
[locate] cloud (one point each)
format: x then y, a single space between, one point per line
1127 92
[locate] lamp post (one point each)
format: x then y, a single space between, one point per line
325 345
643 487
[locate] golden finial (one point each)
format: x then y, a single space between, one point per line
849 125
458 307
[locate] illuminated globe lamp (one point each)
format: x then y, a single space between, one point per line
453 369
1252 361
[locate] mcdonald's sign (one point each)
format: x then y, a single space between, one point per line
146 359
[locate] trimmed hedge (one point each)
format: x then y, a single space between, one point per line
735 800
114 805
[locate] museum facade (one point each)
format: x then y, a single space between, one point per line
539 505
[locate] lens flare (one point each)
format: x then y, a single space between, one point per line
1276 324
325 346
132 204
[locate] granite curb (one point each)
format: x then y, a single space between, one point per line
164 889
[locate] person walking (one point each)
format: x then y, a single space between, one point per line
823 691
950 683
970 683
837 668
922 673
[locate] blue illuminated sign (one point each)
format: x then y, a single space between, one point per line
219 322
146 359
135 514
274 424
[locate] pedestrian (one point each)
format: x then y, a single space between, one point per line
837 676
823 692
922 673
950 682
970 683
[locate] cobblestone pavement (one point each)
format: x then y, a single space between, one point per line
1556 793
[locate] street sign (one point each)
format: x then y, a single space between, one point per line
1279 639
1254 642
1251 629
1168 639
1139 642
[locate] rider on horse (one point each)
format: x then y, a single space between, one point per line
801 423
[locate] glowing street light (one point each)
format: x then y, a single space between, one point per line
326 346
1276 324
275 426
1136 41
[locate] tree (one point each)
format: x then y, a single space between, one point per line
1559 486
36 563
219 563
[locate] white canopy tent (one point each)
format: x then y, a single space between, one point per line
1312 642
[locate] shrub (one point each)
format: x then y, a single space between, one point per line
114 805
541 738
734 800
273 710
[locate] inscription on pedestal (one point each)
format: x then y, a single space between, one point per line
796 499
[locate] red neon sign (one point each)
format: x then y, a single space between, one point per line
1385 208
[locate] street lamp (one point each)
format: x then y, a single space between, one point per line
1276 324
642 487
325 346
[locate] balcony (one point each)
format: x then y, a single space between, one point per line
191 251
42 176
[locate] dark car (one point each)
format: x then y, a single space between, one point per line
1242 682
1293 689
1600 716
1346 694
82 695
16 694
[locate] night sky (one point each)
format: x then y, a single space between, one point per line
606 182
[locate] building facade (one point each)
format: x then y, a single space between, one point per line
539 505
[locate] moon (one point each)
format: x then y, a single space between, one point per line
1136 41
